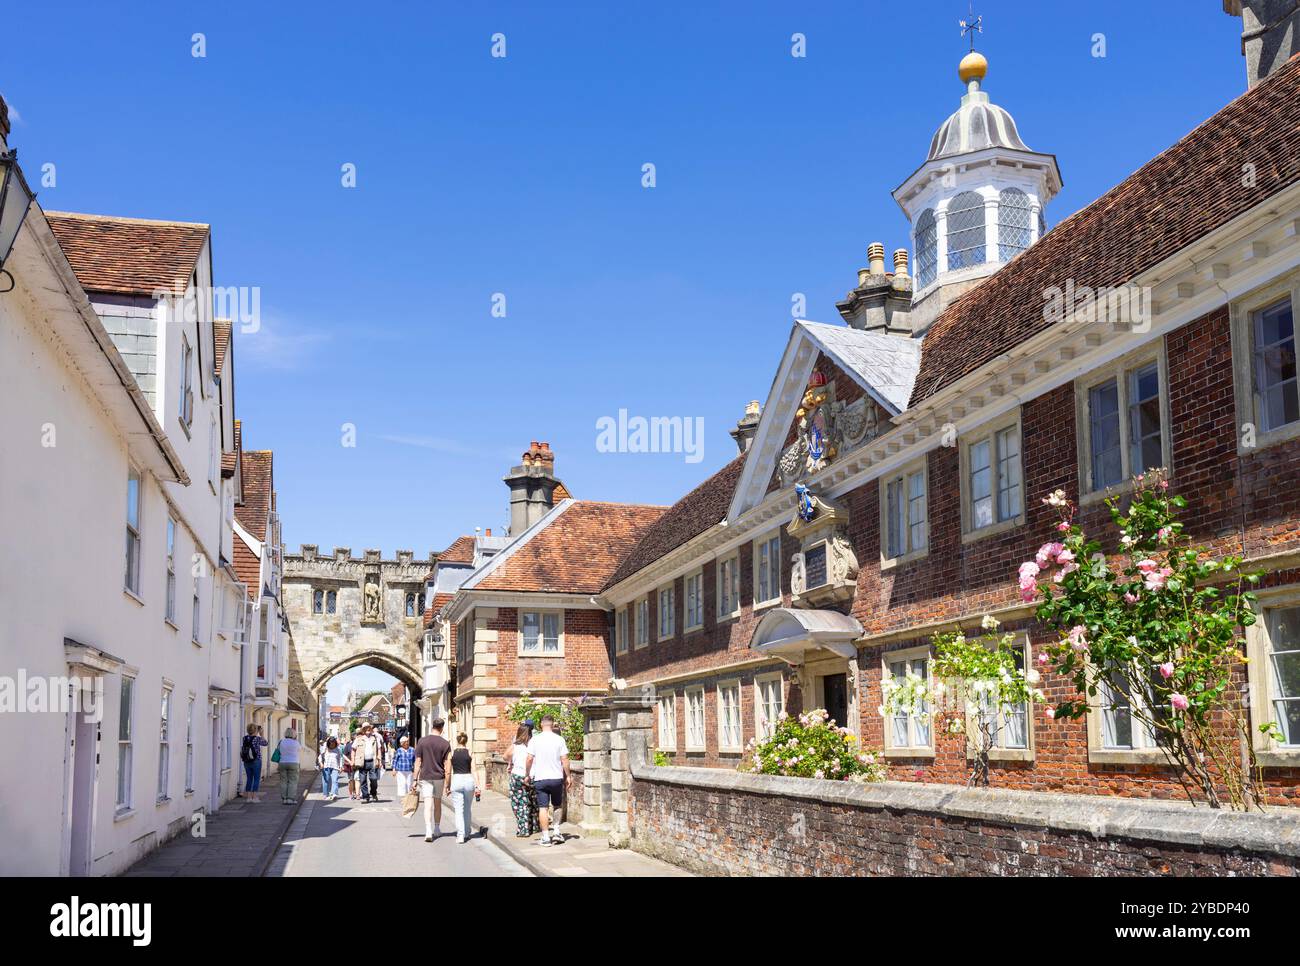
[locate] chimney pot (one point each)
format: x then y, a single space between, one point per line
876 258
900 261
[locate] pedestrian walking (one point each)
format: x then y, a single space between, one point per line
290 756
523 800
348 770
431 754
329 762
365 761
404 766
548 769
460 784
250 753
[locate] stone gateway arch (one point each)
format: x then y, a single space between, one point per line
347 611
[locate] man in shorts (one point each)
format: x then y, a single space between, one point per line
548 770
431 754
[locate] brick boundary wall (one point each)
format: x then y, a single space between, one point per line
716 822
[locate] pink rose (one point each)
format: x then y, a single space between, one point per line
1155 579
1067 569
1130 598
1063 526
1078 637
1179 702
1163 533
1167 670
1042 657
1147 566
1048 552
1028 591
1029 570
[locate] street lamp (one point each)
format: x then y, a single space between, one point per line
433 643
15 199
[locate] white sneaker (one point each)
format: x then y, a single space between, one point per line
546 838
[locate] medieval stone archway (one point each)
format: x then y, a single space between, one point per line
347 611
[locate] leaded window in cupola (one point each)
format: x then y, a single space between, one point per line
966 231
1015 219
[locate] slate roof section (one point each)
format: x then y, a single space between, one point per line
580 544
128 256
1178 197
703 507
885 365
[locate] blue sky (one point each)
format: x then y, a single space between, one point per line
478 175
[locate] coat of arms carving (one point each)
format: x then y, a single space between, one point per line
824 427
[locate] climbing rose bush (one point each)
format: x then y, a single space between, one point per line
1156 625
569 720
810 745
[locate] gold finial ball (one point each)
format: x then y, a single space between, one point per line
972 67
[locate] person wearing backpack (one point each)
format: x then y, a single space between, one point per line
250 753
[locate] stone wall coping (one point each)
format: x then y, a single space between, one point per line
1275 831
496 758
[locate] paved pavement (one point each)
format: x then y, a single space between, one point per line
238 840
580 855
350 838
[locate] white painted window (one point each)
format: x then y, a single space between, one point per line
214 459
993 478
189 746
263 638
905 730
728 587
620 631
642 622
1276 388
226 737
767 569
693 587
668 721
1282 625
164 745
1009 726
667 611
1121 728
905 513
133 530
171 570
695 740
125 742
729 735
769 702
186 402
541 633
195 626
1122 418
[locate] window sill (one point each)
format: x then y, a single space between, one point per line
549 656
993 529
1129 756
693 629
889 563
1279 758
765 604
731 750
697 750
726 618
904 753
133 596
185 427
1272 437
122 814
161 802
1010 754
170 623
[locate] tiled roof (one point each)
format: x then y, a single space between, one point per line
886 364
690 516
221 342
248 567
461 552
1183 194
228 460
258 492
432 607
128 256
561 493
575 552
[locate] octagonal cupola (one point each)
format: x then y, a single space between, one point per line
977 201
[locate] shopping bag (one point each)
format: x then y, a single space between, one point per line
410 803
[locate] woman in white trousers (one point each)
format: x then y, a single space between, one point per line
461 786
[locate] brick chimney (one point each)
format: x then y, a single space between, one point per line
532 487
747 426
1270 34
882 301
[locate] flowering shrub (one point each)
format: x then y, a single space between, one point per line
568 719
811 746
1158 631
974 683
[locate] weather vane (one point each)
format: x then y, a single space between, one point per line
972 25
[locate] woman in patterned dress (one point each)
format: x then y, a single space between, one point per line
523 801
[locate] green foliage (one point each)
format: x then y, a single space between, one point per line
568 718
1160 621
662 759
811 746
